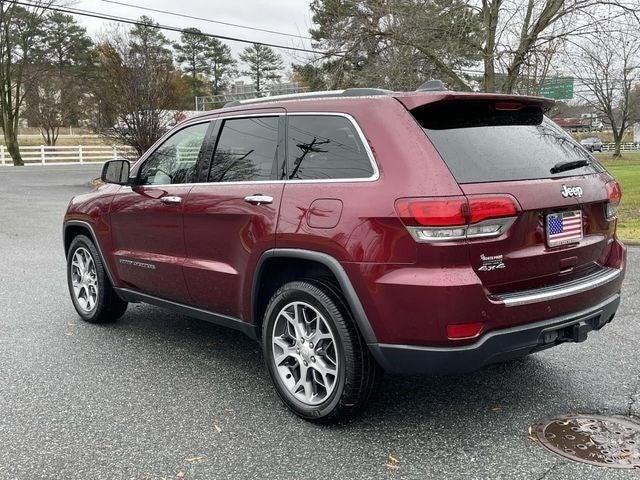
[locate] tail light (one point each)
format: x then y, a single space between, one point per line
614 194
456 218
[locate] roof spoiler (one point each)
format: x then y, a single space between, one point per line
416 100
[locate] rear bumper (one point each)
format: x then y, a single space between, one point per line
497 345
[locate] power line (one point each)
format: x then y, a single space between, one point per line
193 17
113 18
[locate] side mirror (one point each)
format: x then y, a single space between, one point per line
116 171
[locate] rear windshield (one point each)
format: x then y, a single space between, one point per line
480 143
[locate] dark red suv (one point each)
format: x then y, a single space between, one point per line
359 231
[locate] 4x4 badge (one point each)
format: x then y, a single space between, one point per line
571 191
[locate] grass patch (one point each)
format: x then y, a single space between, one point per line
627 171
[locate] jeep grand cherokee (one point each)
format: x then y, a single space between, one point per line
359 231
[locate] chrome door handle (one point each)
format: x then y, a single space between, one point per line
258 199
171 200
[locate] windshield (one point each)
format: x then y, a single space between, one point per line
482 144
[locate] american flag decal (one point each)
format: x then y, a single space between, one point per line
563 228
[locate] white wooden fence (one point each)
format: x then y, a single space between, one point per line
60 155
627 147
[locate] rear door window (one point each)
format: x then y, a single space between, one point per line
323 147
246 150
480 143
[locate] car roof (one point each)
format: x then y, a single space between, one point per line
410 100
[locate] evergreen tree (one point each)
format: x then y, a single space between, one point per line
64 60
191 55
147 39
222 65
263 65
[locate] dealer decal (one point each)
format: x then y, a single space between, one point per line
490 263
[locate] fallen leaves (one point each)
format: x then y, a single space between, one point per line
71 329
196 459
392 463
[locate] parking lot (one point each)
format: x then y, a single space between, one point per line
157 395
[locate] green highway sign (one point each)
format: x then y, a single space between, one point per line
558 88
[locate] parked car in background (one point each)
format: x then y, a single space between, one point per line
593 144
359 231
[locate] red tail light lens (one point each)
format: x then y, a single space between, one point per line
484 208
445 212
461 331
455 218
614 193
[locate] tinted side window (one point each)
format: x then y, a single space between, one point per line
175 160
246 150
325 147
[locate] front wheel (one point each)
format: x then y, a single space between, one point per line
91 292
319 363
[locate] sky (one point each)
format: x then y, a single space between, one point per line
288 16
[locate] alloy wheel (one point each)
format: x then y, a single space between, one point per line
305 353
84 279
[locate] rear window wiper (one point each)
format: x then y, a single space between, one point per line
570 165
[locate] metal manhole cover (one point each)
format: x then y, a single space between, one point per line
603 441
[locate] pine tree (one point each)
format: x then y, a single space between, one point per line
222 65
147 38
263 65
191 55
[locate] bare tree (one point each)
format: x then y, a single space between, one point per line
634 105
20 29
50 107
138 86
491 45
606 65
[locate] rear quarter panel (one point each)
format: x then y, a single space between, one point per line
369 234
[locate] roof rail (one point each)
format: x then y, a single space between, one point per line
349 92
363 92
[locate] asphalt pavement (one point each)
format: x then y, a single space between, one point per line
158 395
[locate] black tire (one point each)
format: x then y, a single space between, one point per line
108 306
358 373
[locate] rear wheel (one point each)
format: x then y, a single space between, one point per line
91 292
321 367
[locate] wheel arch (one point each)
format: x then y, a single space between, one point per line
278 266
73 228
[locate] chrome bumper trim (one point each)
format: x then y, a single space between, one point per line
561 290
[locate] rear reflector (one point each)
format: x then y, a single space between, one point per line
462 331
454 218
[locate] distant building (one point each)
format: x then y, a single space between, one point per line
586 122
